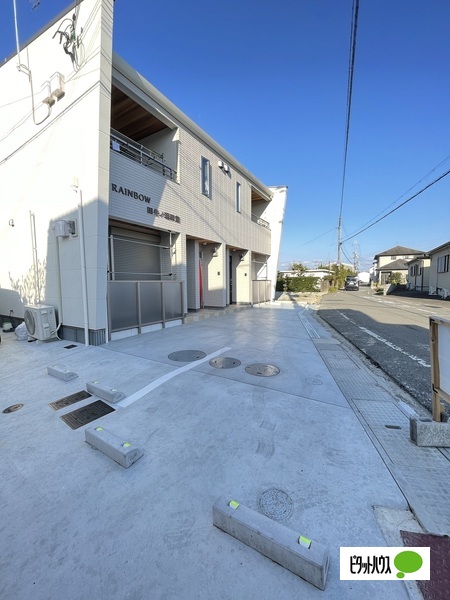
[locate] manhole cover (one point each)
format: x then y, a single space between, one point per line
86 414
187 355
262 370
224 362
68 400
12 408
276 504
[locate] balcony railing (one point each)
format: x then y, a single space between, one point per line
140 154
260 221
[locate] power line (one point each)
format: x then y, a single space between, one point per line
399 206
319 236
354 29
402 195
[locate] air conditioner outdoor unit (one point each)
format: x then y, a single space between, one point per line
40 321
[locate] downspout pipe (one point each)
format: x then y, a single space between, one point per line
83 264
83 271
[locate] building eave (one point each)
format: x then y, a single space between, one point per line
121 67
439 248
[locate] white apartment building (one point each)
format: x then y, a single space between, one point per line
117 209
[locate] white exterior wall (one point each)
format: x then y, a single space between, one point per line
214 219
439 282
274 214
39 161
420 281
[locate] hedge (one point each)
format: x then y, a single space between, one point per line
298 284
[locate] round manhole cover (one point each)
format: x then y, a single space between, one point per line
276 504
262 370
12 408
187 355
224 362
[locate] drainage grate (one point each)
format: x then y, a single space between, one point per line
70 346
224 362
187 355
86 414
276 504
68 400
262 370
12 408
392 426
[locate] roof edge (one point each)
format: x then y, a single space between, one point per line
127 71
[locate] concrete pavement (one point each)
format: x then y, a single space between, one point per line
76 524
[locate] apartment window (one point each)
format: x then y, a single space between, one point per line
238 197
443 263
206 177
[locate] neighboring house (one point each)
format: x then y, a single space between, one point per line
418 273
124 214
393 261
440 270
318 273
287 274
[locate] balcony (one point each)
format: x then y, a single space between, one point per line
260 221
144 156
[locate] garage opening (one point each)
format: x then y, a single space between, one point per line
142 291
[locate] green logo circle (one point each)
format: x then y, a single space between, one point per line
407 562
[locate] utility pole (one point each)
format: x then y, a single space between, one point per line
339 241
355 256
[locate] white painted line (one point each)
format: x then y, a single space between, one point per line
151 386
394 347
387 342
345 317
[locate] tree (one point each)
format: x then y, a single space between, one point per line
396 278
298 267
340 273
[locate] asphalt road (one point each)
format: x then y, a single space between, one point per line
393 331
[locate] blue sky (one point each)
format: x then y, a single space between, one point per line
268 81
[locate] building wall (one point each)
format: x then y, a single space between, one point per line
192 274
214 219
41 153
418 277
58 166
440 282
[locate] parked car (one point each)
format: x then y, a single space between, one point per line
351 283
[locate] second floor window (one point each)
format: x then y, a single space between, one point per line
206 177
238 197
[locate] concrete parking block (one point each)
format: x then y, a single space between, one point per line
292 550
102 391
123 452
61 372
